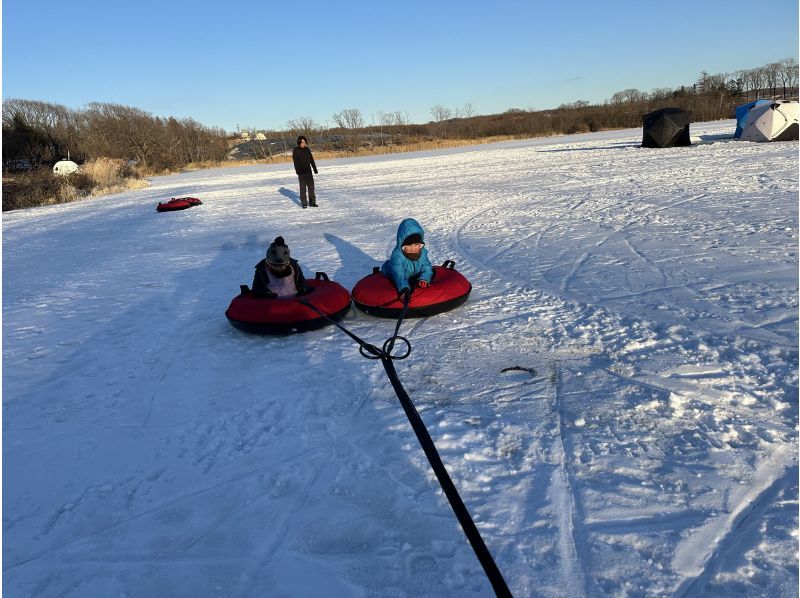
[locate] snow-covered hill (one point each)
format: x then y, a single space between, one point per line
643 443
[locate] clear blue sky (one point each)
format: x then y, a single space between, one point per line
261 63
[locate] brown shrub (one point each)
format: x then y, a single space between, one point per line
73 186
108 173
28 189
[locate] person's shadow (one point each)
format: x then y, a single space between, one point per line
355 263
291 195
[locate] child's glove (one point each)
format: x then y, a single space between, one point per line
423 284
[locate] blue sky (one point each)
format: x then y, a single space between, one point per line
261 63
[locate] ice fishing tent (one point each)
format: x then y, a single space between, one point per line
666 127
742 112
775 121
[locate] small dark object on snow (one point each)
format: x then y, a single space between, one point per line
518 368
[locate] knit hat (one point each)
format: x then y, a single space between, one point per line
278 253
411 239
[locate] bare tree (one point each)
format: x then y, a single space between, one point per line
467 112
121 132
399 119
660 94
351 122
788 74
752 81
199 143
58 124
627 96
440 116
304 124
771 76
349 118
384 120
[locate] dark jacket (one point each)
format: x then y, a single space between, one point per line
261 280
403 270
303 160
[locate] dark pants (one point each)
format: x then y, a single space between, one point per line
307 182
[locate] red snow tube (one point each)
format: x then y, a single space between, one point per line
377 295
178 203
261 315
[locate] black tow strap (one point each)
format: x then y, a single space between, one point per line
459 508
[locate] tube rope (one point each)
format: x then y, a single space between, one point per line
423 437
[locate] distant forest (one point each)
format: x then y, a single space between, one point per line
38 134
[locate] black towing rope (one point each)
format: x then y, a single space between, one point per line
459 508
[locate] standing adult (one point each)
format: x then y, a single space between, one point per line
303 163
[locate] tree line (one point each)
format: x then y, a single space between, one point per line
41 133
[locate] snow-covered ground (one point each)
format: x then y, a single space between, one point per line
645 444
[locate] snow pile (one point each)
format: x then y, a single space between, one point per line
617 401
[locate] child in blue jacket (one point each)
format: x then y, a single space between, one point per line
409 266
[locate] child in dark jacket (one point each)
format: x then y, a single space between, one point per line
409 266
278 275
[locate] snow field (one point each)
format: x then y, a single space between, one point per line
617 401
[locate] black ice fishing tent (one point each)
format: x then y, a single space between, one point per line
666 127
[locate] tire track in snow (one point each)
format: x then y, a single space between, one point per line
576 267
698 557
622 231
647 261
572 568
458 230
539 233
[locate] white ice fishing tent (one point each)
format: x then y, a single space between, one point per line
775 121
65 166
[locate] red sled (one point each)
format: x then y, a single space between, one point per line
376 294
282 315
178 203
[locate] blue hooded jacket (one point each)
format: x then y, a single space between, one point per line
399 268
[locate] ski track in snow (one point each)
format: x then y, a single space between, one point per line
616 403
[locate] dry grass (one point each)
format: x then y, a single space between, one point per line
112 176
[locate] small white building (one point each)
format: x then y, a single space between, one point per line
64 167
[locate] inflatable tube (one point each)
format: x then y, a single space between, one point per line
376 294
174 205
261 315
